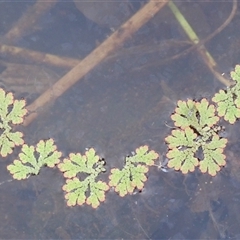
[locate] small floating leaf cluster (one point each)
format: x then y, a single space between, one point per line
196 131
228 101
81 171
28 163
76 189
133 174
195 142
11 113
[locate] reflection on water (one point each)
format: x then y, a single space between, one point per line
117 107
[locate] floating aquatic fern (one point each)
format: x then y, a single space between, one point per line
133 174
196 134
213 155
197 131
11 113
185 114
76 189
182 145
228 101
197 115
31 159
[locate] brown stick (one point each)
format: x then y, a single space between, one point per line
34 57
199 45
25 23
37 57
95 57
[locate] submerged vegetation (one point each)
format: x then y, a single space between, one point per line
195 142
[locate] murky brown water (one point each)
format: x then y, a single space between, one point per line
123 103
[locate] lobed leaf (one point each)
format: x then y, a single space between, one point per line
133 174
15 137
27 155
89 164
226 107
216 143
213 157
97 193
72 166
75 191
181 138
6 100
18 112
206 113
138 176
5 144
92 158
185 114
8 140
11 112
20 171
221 96
182 160
28 163
143 155
77 163
121 180
235 75
47 153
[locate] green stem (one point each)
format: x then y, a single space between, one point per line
183 22
188 30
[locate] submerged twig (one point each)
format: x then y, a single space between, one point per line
35 57
200 43
27 21
95 57
19 54
206 56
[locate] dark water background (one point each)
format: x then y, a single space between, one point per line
120 105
